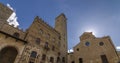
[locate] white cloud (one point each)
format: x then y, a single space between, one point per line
71 50
12 20
8 5
118 47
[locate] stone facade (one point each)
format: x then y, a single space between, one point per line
94 50
5 12
40 43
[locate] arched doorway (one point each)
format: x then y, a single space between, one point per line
8 55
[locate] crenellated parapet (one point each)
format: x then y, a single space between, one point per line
40 21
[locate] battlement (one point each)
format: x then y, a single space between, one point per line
41 21
62 14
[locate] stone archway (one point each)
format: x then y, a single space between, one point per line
8 55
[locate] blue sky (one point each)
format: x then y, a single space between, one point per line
100 16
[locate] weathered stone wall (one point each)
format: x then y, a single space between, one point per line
11 30
5 12
90 50
7 41
40 37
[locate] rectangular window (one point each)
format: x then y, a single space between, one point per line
104 59
43 57
63 59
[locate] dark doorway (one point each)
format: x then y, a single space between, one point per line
80 60
8 55
104 59
72 62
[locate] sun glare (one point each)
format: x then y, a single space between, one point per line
91 30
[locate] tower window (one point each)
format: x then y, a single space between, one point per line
16 34
33 54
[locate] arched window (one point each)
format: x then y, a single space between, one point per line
51 59
58 59
33 54
104 59
37 40
43 57
16 34
63 59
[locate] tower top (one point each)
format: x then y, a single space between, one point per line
36 18
61 15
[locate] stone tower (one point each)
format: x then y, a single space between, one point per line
61 27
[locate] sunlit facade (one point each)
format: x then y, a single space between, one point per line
40 43
93 49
